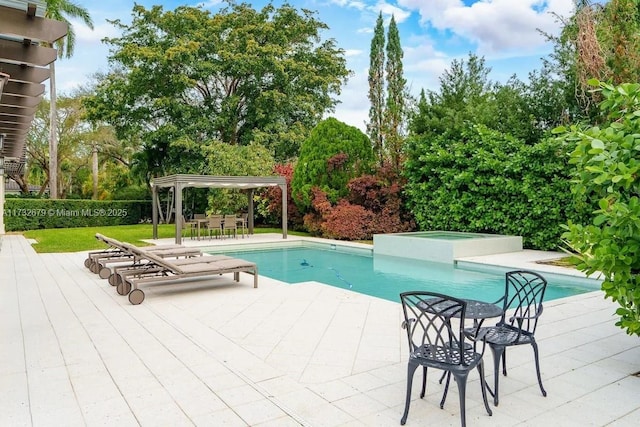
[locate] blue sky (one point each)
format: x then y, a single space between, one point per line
432 33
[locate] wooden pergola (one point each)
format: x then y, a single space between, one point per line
24 65
249 183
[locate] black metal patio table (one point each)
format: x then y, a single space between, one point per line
477 310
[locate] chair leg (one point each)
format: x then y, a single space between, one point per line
483 385
504 362
461 379
411 369
537 360
498 352
446 389
424 381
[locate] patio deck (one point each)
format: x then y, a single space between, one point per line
216 352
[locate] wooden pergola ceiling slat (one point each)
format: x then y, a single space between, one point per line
23 89
24 73
31 54
18 23
20 101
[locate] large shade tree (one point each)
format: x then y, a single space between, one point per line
237 76
61 10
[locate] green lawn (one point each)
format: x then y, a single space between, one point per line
83 238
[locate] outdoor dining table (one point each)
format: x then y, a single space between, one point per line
477 310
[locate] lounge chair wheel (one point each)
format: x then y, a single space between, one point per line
87 262
105 272
117 279
123 288
136 297
95 267
112 279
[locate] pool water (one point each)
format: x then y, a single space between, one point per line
386 277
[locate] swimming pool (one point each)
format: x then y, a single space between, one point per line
384 276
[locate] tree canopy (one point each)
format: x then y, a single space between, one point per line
236 76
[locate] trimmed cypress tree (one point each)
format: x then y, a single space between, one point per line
394 113
376 91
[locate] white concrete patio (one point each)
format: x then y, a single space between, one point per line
215 352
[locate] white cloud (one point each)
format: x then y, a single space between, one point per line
350 3
100 31
400 15
352 52
494 25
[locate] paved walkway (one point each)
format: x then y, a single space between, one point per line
216 352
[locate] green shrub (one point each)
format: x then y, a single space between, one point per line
489 182
32 214
607 168
333 154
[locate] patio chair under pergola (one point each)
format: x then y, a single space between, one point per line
250 183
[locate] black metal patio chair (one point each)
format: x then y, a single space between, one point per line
435 341
522 303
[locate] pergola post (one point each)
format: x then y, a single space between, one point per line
250 211
2 229
283 188
178 196
154 209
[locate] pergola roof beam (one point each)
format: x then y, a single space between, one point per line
18 23
23 89
17 111
20 101
10 125
16 119
24 73
30 54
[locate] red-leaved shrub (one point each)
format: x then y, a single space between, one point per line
373 206
347 222
274 195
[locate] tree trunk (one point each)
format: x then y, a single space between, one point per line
94 169
53 136
42 189
22 182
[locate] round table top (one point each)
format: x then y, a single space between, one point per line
478 309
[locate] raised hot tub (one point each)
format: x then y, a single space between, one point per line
443 246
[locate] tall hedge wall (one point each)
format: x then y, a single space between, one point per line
31 214
492 183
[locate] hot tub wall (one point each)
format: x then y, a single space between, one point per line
442 250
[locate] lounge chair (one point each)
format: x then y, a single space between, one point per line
159 270
141 266
116 253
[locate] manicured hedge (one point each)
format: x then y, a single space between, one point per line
31 214
488 182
